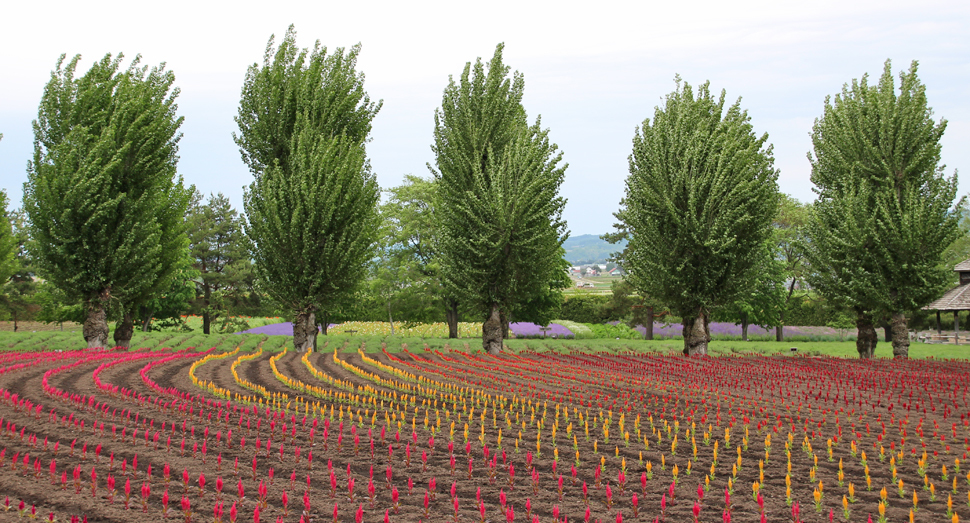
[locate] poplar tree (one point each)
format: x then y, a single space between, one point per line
700 200
885 212
498 182
104 202
304 119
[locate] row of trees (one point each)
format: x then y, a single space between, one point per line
705 233
112 226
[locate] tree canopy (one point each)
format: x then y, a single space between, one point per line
700 200
498 180
311 216
885 212
105 204
219 252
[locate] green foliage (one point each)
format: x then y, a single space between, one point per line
313 229
56 306
762 303
959 250
168 305
884 214
219 255
303 122
104 202
8 241
405 274
299 89
700 200
585 308
498 181
619 331
843 323
547 304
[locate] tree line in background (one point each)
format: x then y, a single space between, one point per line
108 230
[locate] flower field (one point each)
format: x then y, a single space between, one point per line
358 433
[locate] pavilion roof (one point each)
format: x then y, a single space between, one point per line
955 299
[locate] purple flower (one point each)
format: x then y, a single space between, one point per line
522 328
276 329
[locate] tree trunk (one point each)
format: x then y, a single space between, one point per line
451 316
900 333
505 324
206 317
744 327
492 332
304 330
15 320
324 324
649 326
780 329
147 323
887 329
124 330
865 343
96 324
696 335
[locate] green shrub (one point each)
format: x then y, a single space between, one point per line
619 331
585 308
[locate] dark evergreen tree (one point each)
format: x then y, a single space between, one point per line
219 253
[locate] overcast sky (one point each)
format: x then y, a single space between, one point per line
593 71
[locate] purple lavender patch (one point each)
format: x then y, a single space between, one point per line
661 330
276 329
523 328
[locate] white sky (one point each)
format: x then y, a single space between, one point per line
592 71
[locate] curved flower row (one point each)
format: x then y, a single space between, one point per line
370 376
424 387
259 389
208 385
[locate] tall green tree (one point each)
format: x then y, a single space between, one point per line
883 192
219 253
406 272
700 200
105 204
762 303
476 119
8 240
789 235
304 119
959 250
20 291
498 181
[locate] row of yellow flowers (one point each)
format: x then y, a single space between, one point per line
208 385
259 389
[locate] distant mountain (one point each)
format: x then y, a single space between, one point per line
589 248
